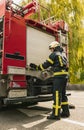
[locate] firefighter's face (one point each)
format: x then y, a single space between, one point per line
51 49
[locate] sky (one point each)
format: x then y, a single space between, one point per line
16 1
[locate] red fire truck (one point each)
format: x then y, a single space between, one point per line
24 41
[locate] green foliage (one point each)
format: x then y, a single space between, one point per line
76 40
82 75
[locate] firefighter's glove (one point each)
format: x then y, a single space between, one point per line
34 66
67 68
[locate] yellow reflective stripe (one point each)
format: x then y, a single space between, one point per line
60 60
54 106
57 104
49 60
57 98
64 103
60 73
41 67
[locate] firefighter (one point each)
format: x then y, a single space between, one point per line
58 61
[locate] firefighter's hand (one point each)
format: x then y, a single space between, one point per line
34 66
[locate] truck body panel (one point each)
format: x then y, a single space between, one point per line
14 43
37 45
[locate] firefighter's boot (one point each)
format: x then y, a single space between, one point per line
65 111
53 116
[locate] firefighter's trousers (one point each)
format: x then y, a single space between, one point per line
59 96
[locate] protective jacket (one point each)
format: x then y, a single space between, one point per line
58 61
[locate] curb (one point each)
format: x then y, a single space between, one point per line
75 87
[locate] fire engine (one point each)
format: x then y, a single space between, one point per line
24 40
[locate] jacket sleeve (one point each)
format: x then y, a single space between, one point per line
47 63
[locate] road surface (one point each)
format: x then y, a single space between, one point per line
34 117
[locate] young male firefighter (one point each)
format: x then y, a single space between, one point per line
58 62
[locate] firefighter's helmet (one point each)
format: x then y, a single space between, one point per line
54 44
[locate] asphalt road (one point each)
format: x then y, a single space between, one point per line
34 117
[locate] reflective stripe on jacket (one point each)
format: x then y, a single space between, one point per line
58 63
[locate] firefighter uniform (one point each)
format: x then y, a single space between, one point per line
58 62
